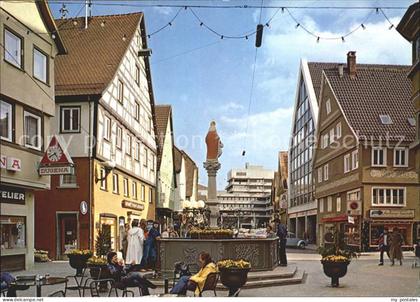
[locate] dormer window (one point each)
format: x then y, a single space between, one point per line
385 119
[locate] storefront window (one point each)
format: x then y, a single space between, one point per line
352 232
12 232
376 230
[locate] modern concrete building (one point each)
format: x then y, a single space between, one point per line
302 207
31 44
166 182
105 112
364 168
409 28
250 180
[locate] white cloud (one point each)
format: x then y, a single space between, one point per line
164 10
231 106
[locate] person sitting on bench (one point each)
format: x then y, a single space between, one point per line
196 281
127 278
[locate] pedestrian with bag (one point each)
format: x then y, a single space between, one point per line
282 234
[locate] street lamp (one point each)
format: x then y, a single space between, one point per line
108 166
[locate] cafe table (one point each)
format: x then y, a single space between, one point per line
46 281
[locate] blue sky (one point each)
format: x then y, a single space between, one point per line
214 81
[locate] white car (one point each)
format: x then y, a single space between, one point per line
293 241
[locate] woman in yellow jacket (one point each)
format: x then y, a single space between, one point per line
196 281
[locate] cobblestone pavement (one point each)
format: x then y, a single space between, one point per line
364 278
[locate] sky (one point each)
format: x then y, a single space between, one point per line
207 78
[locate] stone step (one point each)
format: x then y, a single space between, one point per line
298 278
278 273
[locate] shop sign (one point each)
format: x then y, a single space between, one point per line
354 207
10 163
350 219
56 160
83 207
12 195
392 213
132 205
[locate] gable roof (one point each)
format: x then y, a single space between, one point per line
163 116
177 159
377 89
315 69
93 54
45 12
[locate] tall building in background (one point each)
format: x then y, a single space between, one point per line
27 60
247 199
279 188
302 207
105 112
253 180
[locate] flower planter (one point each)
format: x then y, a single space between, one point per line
233 278
78 262
335 270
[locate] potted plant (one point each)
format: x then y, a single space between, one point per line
78 259
336 257
233 273
96 266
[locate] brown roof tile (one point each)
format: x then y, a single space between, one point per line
190 168
177 159
93 54
315 69
163 116
377 89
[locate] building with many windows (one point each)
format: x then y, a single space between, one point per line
302 208
31 44
365 176
250 180
105 114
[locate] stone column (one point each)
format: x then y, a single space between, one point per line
212 166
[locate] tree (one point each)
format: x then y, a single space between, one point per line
103 242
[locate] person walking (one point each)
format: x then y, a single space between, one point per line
282 234
383 246
396 241
135 240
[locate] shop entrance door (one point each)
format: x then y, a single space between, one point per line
67 232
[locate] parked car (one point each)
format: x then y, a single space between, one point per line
293 241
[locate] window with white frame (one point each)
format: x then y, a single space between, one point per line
118 138
326 172
129 146
338 130
332 137
120 91
328 106
325 141
125 184
353 195
107 128
103 181
143 193
13 49
401 157
319 175
355 159
33 137
150 195
70 119
137 111
68 180
321 205
40 67
146 157
134 189
329 204
378 156
346 163
137 75
338 204
137 151
115 183
6 121
388 196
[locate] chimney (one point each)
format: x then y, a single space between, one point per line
351 64
340 70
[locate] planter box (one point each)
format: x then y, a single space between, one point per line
335 270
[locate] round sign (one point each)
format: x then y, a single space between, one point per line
354 205
83 207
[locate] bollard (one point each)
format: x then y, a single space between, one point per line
166 285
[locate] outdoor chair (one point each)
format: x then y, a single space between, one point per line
210 284
4 292
58 293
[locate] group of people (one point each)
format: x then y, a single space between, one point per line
391 244
281 233
139 244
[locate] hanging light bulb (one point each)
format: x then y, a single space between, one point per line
297 25
75 22
124 38
53 36
103 23
170 23
317 39
243 152
377 10
342 39
246 37
282 10
363 26
221 37
201 24
391 27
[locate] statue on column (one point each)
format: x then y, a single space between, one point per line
212 165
